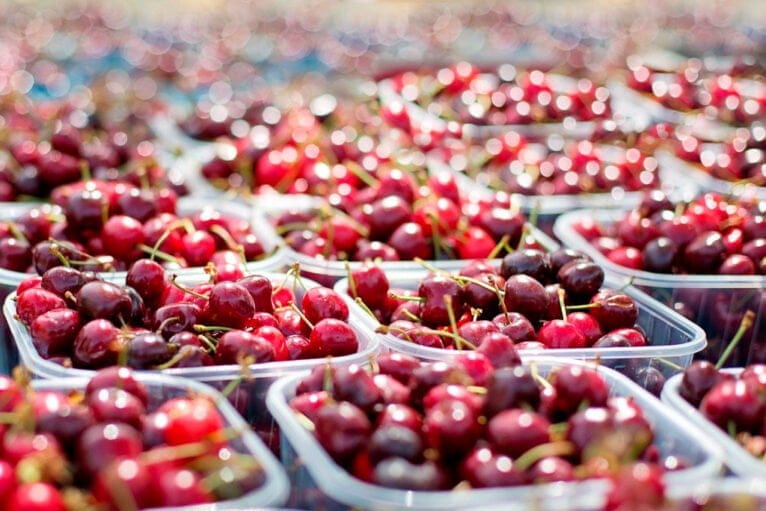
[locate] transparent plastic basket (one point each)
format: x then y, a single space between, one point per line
161 388
329 272
739 461
248 397
272 244
714 302
548 208
673 340
319 483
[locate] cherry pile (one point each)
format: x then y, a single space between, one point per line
397 220
513 164
464 93
732 99
435 426
498 310
329 148
107 225
76 319
736 404
741 159
711 235
112 445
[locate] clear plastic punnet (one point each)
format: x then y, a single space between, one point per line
737 459
248 397
714 302
319 483
272 245
161 388
673 340
329 272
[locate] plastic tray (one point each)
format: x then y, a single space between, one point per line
739 461
674 339
249 396
697 292
705 181
329 272
275 488
319 483
549 207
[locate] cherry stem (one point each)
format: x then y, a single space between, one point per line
176 358
232 386
386 330
503 243
362 174
476 389
627 284
166 322
201 329
561 294
304 421
430 267
189 450
185 289
295 269
209 342
85 170
670 364
16 232
157 253
327 385
227 238
411 316
405 298
458 340
351 281
538 377
538 452
451 316
522 240
366 309
302 315
747 322
294 226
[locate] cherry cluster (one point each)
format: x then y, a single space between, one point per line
434 426
740 159
113 445
534 300
513 164
464 93
153 322
736 404
106 225
722 95
709 235
46 153
396 220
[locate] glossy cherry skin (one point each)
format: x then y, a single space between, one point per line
100 444
342 429
514 432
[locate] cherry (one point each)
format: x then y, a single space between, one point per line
587 325
400 473
589 428
514 432
147 350
705 253
697 380
516 326
147 277
121 236
125 476
98 344
260 290
191 420
342 429
357 386
401 415
552 469
62 279
395 441
34 302
177 317
237 345
531 262
53 332
66 422
335 338
734 401
613 311
392 391
559 333
573 386
525 295
485 468
612 340
581 278
39 496
370 284
181 487
115 405
103 300
230 305
320 303
100 444
659 255
499 350
434 307
119 378
451 427
397 365
512 387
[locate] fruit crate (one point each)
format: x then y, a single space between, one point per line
272 245
319 483
328 273
714 302
737 459
673 340
248 397
161 388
